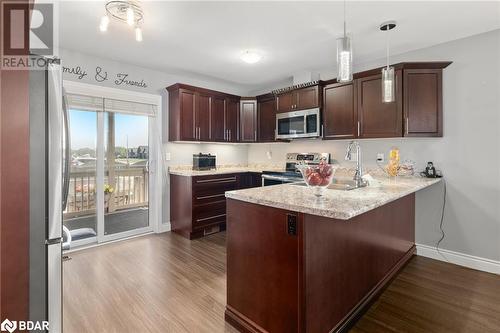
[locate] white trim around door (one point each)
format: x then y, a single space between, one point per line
155 165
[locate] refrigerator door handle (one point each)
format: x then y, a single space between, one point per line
67 153
55 152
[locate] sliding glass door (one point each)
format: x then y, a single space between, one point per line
110 178
80 214
126 173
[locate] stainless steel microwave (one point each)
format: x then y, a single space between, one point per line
298 124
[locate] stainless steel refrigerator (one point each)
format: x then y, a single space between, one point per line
48 167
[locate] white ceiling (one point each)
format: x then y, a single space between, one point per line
207 37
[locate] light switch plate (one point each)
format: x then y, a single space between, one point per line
167 156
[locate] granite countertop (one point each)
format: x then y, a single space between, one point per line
189 172
336 204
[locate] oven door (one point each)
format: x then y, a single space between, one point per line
298 124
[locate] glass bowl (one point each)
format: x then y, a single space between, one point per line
317 177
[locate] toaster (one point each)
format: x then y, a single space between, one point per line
203 161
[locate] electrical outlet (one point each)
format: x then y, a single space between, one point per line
380 157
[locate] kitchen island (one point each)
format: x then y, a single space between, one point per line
296 263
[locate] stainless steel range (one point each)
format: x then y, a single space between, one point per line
291 174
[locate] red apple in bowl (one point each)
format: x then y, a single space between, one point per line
317 177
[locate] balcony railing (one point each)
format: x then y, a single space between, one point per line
130 189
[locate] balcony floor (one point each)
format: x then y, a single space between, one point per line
119 221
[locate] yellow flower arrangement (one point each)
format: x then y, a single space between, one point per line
108 189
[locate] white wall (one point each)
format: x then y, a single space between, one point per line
468 154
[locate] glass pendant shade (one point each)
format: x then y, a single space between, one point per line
130 16
138 34
344 59
104 23
388 85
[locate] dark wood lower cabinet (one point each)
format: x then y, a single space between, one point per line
198 203
250 179
293 272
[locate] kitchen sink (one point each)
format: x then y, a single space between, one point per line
337 184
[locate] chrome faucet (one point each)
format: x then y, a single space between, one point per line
358 176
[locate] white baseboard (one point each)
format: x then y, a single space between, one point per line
164 227
457 258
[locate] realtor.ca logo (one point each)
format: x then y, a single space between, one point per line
26 29
21 325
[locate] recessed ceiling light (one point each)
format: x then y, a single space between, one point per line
250 57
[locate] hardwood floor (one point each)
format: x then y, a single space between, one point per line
166 283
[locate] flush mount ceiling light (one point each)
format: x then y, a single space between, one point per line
250 57
129 12
344 56
388 79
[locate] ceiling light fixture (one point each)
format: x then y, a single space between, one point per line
388 79
344 56
138 34
250 57
129 12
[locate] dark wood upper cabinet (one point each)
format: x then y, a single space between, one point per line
202 121
298 99
182 119
248 120
218 118
266 114
232 119
199 114
285 102
350 110
378 119
339 112
307 98
423 104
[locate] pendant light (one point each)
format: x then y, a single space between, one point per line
344 56
388 78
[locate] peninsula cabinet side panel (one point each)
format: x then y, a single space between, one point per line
347 263
181 206
262 268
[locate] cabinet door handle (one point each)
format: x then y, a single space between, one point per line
225 134
210 218
359 128
230 135
255 135
406 129
211 196
217 180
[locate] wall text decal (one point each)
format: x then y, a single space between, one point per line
120 79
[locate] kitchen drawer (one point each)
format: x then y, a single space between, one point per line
204 198
204 215
210 185
202 211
